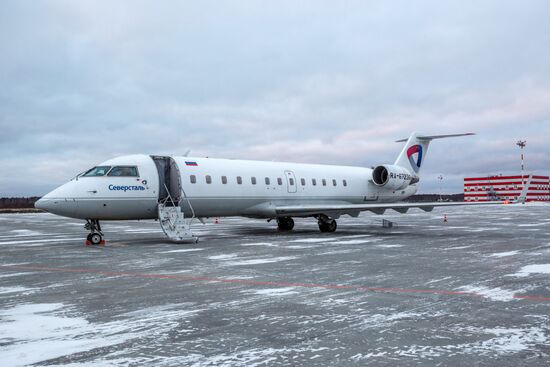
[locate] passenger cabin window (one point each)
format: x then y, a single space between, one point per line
279 181
239 180
267 180
333 182
193 179
208 179
291 181
324 182
97 171
345 182
314 182
303 180
224 180
253 180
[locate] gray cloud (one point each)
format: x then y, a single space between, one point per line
311 81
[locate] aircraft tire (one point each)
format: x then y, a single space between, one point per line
285 224
95 238
329 226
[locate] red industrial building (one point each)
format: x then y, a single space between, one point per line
505 188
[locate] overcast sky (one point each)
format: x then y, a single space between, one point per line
308 81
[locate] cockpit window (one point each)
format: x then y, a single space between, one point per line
124 171
97 171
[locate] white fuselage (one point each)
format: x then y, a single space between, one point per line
211 188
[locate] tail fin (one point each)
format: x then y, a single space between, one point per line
413 154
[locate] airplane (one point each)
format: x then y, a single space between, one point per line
177 190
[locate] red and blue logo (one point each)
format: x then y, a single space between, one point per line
414 153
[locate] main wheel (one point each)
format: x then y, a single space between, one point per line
89 237
329 226
285 224
95 238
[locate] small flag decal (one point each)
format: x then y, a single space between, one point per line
187 163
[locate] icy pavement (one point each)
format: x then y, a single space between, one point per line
475 291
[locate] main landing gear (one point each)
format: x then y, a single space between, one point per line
326 224
96 236
285 223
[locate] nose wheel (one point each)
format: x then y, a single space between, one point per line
96 236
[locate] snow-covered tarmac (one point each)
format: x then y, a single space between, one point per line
475 291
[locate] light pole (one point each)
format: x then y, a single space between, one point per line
440 178
521 144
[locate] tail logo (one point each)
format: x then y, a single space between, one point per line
411 152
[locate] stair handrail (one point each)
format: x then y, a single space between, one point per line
188 202
168 197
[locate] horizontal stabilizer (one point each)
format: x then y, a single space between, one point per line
432 137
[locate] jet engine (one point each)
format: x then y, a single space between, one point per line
392 177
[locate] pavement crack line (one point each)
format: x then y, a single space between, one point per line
248 282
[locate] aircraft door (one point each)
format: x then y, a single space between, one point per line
291 182
175 181
373 192
169 178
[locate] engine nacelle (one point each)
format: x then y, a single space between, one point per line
392 177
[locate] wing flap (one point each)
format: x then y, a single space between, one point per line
379 208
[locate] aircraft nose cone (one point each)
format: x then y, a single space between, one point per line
44 204
60 201
60 206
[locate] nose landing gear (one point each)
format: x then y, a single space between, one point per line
96 236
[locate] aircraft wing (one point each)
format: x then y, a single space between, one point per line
378 208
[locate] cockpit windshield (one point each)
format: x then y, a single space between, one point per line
97 171
124 171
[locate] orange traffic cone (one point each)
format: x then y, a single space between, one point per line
445 218
217 220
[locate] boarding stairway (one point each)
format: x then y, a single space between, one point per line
173 222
